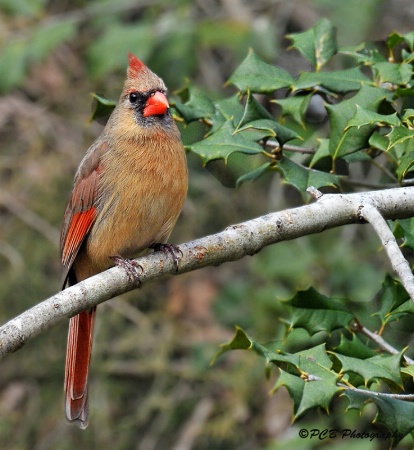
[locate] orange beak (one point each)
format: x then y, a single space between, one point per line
157 104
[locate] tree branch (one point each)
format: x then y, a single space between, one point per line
406 397
400 265
357 327
233 243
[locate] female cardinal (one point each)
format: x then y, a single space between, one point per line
128 192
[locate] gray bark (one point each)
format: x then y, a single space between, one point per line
233 243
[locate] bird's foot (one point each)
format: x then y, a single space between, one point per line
130 266
171 249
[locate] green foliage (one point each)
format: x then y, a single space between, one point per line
19 52
315 375
352 113
368 124
366 121
364 107
102 108
315 312
156 37
255 75
317 44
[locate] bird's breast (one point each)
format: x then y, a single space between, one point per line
141 194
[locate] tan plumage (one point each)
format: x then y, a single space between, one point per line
128 193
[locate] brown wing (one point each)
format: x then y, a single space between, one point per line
79 217
81 211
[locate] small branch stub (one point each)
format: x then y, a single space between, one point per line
315 193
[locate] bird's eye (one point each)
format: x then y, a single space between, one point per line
133 97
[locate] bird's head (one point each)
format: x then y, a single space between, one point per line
145 94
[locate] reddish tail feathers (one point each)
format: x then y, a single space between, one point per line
78 357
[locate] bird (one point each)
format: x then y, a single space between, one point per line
128 193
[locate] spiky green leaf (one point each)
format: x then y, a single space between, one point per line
318 44
316 312
302 177
255 75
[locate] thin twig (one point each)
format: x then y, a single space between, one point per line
408 182
409 397
400 265
291 148
379 340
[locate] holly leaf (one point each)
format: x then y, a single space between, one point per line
307 374
379 367
344 139
294 385
391 297
315 312
225 141
408 118
318 44
317 384
321 152
365 116
399 135
366 53
198 106
409 40
388 72
394 299
320 381
255 75
354 347
396 415
302 177
273 129
228 109
253 110
378 140
394 39
408 371
295 107
397 39
255 174
102 108
404 165
404 229
402 310
241 341
341 81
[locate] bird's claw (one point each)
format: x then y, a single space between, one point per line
130 266
171 249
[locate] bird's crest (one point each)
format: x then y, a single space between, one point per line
140 77
136 66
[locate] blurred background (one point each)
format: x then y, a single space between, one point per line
151 384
